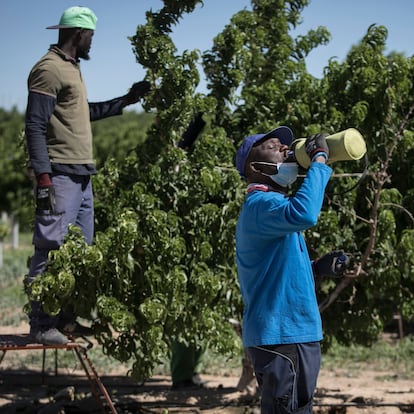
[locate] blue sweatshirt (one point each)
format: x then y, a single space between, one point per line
274 267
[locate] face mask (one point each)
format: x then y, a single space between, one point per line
287 172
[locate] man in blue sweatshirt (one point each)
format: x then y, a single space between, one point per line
282 326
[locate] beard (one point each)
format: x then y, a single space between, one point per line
82 53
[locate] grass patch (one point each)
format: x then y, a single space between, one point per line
15 264
12 300
68 363
392 361
383 356
13 297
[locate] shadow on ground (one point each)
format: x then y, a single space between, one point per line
29 392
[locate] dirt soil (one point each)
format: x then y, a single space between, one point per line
29 391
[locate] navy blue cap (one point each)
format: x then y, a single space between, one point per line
284 134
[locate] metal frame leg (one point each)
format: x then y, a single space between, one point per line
23 342
83 356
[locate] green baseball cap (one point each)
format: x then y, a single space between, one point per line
76 16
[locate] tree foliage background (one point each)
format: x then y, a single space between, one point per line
14 185
162 266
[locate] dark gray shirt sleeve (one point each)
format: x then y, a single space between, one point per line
100 110
38 112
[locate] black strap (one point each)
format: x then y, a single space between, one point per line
288 350
361 178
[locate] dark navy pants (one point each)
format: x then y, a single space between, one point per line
74 205
287 376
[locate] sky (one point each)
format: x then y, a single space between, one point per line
112 68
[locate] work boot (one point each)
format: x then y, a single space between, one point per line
194 383
188 384
49 336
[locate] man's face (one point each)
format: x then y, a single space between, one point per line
270 150
84 44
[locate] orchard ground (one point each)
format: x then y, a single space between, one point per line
357 389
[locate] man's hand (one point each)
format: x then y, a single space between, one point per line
316 145
332 264
138 90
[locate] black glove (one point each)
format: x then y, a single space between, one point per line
331 264
45 199
192 132
138 90
316 144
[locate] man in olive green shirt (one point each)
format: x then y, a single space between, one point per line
59 142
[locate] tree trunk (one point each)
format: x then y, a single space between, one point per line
15 233
1 254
